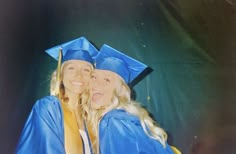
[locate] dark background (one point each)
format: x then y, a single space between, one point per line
189 44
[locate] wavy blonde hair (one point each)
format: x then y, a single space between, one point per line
56 85
123 101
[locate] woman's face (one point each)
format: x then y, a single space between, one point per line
102 86
76 75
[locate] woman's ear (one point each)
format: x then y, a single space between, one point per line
122 90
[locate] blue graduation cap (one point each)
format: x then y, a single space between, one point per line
78 49
113 60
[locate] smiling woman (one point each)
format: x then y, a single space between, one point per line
121 125
56 124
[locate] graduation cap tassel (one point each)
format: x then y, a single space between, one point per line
58 77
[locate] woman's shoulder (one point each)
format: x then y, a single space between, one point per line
49 98
118 121
116 113
47 102
119 115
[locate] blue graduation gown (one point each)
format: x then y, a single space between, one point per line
121 132
43 132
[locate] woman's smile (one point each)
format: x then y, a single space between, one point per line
77 83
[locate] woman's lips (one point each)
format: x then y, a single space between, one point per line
96 96
76 83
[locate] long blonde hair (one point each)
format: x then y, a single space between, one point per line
56 85
123 101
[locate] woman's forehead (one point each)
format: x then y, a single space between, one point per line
107 73
78 62
104 72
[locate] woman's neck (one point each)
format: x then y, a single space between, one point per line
74 99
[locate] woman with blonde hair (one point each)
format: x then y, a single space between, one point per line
121 124
55 124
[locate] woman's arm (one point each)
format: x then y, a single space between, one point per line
43 131
116 137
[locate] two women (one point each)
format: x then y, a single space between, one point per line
56 123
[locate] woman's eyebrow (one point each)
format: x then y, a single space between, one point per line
88 66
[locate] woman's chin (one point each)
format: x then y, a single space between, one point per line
95 105
78 90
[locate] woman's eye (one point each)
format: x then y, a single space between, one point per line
107 80
87 70
93 77
71 68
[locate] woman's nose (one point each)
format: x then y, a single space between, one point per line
96 84
79 74
94 89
